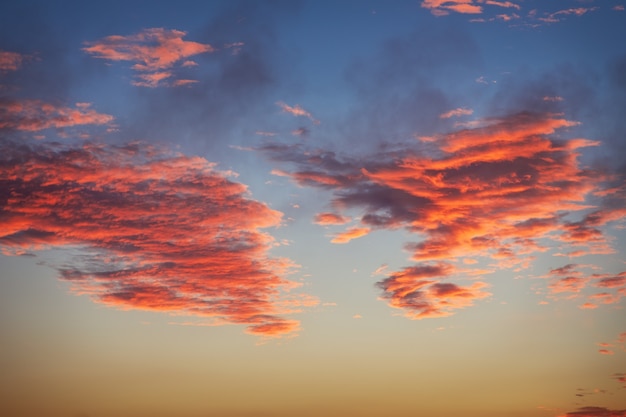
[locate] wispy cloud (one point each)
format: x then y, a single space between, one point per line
296 110
154 51
461 111
498 192
34 115
157 231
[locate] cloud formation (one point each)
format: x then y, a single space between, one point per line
35 115
158 231
496 192
154 51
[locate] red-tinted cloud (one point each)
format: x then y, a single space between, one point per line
501 192
161 231
595 412
621 378
34 115
154 51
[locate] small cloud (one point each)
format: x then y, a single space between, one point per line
456 113
330 219
380 270
296 111
350 234
552 98
302 131
357 316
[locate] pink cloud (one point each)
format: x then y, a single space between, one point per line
296 111
507 4
35 115
163 232
154 52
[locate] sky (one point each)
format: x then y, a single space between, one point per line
313 208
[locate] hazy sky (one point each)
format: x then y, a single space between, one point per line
313 208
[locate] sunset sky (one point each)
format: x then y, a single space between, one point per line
313 208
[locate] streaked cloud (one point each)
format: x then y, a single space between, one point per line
155 52
151 230
595 412
35 115
496 193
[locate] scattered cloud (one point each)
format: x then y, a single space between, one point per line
35 115
154 230
618 344
621 378
496 192
154 51
11 61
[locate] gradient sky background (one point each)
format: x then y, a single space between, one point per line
283 208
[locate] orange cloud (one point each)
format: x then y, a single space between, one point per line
348 235
154 51
498 192
160 231
330 218
35 115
